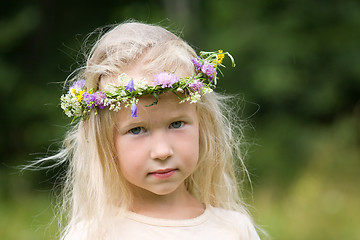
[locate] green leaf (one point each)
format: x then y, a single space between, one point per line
156 100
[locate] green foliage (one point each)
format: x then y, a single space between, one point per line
297 60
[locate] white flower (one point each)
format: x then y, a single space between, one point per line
117 106
206 90
141 84
110 88
123 93
123 79
194 97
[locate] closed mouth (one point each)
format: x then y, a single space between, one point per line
163 173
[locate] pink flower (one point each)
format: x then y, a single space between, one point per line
196 86
197 64
165 79
208 69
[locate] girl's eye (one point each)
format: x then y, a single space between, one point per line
177 124
136 130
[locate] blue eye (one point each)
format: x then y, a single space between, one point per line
136 130
177 124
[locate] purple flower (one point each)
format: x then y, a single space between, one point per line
79 84
99 99
133 110
196 86
89 99
94 100
208 69
165 79
197 64
130 87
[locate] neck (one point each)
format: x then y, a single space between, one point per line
177 205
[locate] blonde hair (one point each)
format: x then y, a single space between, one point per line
94 186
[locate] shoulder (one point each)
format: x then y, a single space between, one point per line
80 230
84 230
229 215
77 232
242 223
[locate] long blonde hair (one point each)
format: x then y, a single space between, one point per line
94 185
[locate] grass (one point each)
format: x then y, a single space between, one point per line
27 218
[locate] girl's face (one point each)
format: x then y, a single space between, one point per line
158 149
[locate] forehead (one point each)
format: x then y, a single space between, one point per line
136 75
168 106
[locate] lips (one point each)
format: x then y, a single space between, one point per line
163 173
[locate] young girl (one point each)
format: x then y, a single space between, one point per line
153 153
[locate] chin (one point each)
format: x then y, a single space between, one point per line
163 191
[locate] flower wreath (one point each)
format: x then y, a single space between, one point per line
79 102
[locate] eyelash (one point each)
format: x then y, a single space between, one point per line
132 131
140 130
181 124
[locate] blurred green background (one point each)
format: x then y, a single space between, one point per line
297 71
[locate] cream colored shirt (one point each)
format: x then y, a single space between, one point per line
214 223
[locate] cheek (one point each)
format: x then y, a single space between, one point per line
131 165
128 155
190 148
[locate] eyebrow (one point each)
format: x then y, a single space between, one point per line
171 116
179 115
130 123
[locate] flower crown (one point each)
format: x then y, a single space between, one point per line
79 102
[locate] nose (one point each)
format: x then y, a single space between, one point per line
161 146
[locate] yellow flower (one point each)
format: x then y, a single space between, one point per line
80 95
220 56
